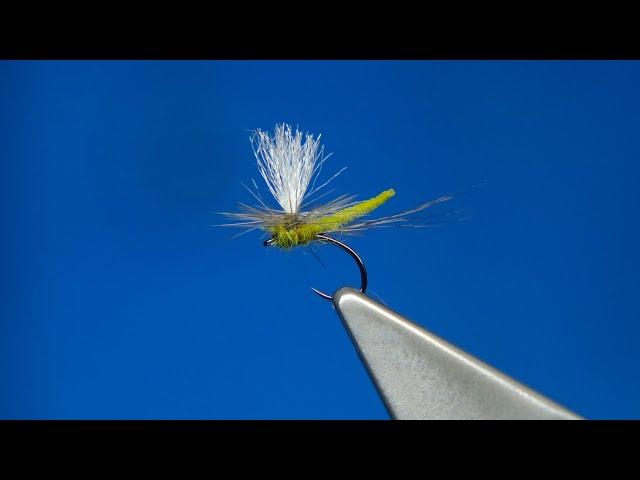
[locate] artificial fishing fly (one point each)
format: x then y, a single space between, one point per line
290 164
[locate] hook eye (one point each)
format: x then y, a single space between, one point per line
269 242
354 255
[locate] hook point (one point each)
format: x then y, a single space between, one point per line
354 255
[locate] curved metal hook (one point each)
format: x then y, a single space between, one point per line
346 248
354 255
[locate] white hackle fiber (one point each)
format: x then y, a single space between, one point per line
288 164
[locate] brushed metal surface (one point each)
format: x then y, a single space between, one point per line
421 376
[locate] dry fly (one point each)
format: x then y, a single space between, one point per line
290 163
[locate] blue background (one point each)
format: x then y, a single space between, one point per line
119 300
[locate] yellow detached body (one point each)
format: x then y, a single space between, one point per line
295 231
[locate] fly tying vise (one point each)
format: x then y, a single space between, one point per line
290 167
